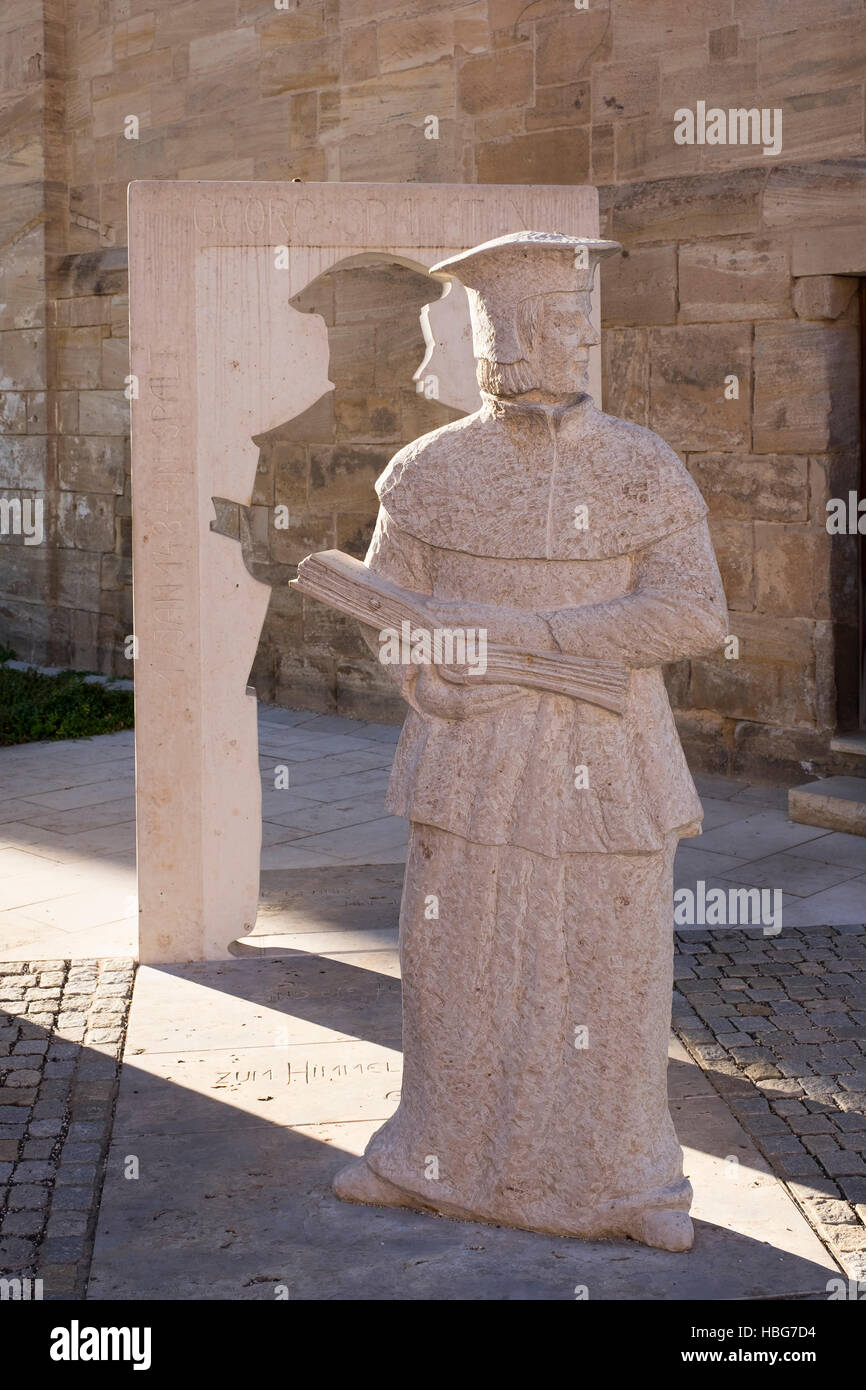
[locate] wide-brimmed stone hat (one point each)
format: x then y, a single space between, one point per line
500 274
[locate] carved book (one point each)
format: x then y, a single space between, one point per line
348 585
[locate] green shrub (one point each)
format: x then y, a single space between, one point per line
34 706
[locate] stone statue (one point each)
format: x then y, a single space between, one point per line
536 924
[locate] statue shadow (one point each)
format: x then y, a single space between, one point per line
238 1140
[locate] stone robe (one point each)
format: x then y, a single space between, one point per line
537 1002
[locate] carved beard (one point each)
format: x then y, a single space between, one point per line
505 378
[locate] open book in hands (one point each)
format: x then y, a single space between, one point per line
348 585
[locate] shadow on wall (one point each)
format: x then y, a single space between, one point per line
314 486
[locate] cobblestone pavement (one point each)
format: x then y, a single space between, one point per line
62 1026
779 1025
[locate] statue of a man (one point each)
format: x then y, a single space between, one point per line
536 925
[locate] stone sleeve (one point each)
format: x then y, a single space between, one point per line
676 608
396 555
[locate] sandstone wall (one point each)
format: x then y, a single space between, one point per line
738 264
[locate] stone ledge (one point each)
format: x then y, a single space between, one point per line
854 744
836 803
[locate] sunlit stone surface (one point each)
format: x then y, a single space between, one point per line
536 945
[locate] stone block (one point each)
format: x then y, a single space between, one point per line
228 47
772 681
814 58
22 281
410 43
602 153
729 281
38 633
805 387
304 534
559 106
403 146
22 359
493 81
509 20
835 803
831 476
759 487
22 207
366 417
626 373
300 66
734 544
303 121
565 44
298 25
113 363
83 311
823 296
92 463
545 156
343 475
621 91
792 570
218 91
78 358
645 149
828 250
418 415
359 58
638 31
77 578
354 533
86 520
471 29
680 209
103 412
724 42
820 124
640 287
765 17
689 365
825 193
367 108
115 572
688 74
102 272
23 461
13 412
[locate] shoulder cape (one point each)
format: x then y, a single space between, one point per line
507 483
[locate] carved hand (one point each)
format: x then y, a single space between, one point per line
432 695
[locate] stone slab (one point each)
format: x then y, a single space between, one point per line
233 1198
220 357
834 803
849 743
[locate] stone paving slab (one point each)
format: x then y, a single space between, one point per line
67 833
61 1032
233 1198
779 1025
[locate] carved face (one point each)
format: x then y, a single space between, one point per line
556 333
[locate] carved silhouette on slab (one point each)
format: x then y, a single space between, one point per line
315 483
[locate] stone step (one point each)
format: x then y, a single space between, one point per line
835 803
849 743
